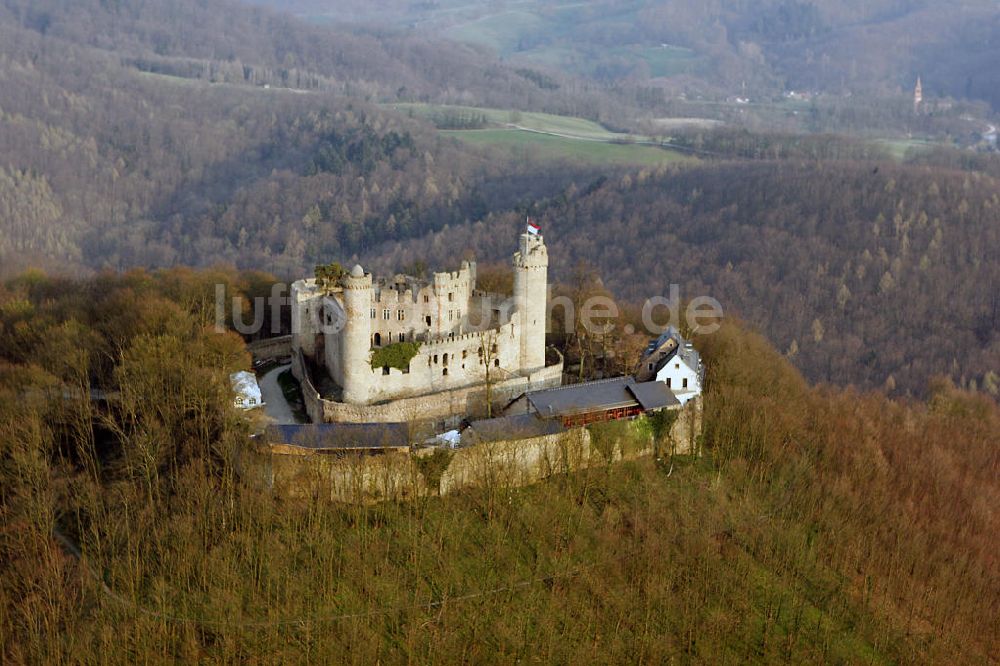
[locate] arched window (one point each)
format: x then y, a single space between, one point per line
445 372
444 359
378 339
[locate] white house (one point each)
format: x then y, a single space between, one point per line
246 392
674 361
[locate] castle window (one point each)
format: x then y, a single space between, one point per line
385 314
385 369
650 366
400 315
428 320
494 348
677 366
402 336
377 339
668 382
496 363
451 315
445 372
435 358
465 354
373 313
444 359
685 382
451 297
427 299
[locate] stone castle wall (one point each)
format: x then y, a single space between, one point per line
448 406
503 464
339 328
271 348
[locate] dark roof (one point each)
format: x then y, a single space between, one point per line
600 396
507 427
684 350
582 398
321 436
653 395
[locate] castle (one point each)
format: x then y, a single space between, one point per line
446 340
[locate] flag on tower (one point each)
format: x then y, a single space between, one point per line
533 228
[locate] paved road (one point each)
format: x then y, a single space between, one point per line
275 405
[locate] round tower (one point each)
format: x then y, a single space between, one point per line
355 338
531 265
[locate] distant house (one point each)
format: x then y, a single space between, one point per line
246 392
672 360
592 402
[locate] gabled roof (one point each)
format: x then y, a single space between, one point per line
683 350
653 395
509 427
600 395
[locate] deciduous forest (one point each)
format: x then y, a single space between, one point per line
820 525
770 155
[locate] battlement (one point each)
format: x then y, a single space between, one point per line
470 336
445 313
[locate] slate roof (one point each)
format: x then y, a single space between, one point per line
506 427
600 395
332 436
653 395
684 350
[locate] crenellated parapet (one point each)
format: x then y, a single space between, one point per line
341 325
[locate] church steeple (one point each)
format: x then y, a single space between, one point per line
918 96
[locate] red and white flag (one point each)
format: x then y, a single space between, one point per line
533 228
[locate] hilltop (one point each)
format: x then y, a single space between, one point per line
821 524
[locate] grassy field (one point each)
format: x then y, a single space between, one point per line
545 135
544 122
532 145
899 148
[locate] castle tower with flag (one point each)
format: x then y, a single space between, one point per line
432 342
531 264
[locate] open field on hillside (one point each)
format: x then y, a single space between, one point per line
534 144
545 122
543 135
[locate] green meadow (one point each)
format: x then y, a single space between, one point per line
532 145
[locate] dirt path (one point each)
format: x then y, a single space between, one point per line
275 405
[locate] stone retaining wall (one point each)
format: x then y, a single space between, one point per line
398 475
271 348
448 406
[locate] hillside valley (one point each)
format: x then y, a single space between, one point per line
167 165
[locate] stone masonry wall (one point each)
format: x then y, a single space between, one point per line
452 405
505 464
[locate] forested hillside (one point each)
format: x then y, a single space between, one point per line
722 47
821 525
867 273
128 139
105 164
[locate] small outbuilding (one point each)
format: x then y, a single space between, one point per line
592 402
246 391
